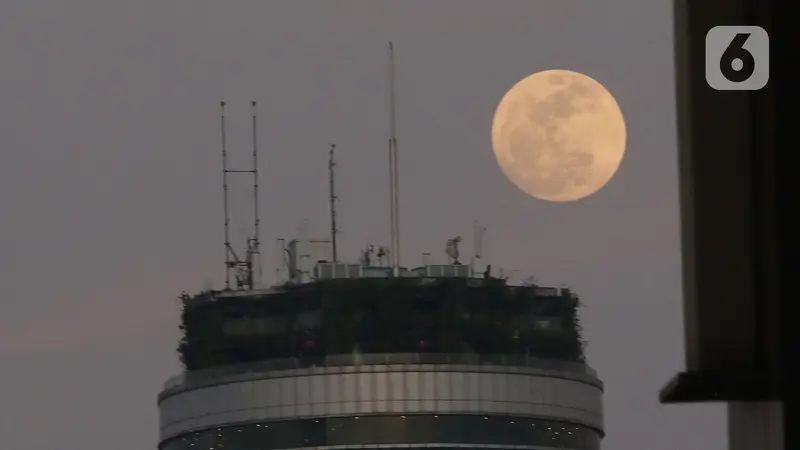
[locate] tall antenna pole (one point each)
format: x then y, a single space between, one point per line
331 171
391 161
244 268
395 216
225 195
391 203
256 219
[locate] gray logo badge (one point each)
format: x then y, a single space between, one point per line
737 58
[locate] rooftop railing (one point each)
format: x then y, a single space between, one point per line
190 379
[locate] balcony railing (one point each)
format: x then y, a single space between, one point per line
198 378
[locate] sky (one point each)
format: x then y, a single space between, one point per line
111 194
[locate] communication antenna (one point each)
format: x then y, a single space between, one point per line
242 268
227 244
331 171
393 178
282 259
256 241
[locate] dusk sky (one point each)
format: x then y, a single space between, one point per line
112 203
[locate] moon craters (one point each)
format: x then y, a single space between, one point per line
550 135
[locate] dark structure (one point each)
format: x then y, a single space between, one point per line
436 356
735 227
402 315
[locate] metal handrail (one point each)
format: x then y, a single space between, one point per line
194 378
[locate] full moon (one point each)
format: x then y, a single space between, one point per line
558 135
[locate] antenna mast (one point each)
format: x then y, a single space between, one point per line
242 268
255 246
331 170
393 174
227 243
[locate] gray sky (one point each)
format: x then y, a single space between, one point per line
109 183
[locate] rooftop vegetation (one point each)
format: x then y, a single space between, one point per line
380 315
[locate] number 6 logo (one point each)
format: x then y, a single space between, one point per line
737 58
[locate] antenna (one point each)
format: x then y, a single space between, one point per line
282 259
393 175
228 249
331 166
391 199
242 268
256 243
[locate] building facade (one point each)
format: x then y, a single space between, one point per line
421 394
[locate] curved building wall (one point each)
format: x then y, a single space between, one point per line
432 404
